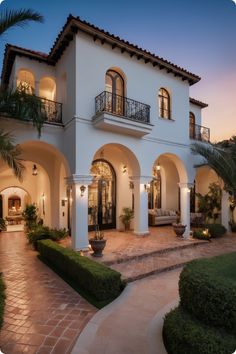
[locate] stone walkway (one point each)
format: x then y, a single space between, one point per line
132 323
43 314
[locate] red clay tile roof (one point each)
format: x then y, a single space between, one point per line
75 24
198 103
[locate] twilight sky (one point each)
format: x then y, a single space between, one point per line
198 35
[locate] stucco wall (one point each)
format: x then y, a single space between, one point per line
142 84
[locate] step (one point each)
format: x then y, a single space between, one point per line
140 256
172 258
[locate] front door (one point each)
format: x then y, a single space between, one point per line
101 199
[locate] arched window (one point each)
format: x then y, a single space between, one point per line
192 132
114 87
47 88
164 104
25 81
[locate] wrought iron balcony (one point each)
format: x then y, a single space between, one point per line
198 132
53 110
122 106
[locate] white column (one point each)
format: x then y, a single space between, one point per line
79 225
141 205
225 217
185 206
36 88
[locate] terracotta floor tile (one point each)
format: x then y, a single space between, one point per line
37 300
62 346
50 341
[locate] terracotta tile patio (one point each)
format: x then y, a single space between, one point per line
136 257
43 314
121 246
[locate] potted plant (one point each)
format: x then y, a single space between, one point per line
178 227
97 243
126 217
3 226
30 216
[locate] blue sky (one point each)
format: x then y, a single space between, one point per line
197 35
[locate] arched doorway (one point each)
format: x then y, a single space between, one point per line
102 196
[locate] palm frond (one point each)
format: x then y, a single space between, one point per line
11 18
221 160
9 153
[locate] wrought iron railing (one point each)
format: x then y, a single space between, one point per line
122 106
198 132
53 110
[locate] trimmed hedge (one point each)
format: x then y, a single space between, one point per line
2 299
96 279
40 232
207 290
215 230
184 335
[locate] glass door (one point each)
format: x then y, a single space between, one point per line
101 198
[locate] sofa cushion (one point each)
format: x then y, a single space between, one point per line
172 213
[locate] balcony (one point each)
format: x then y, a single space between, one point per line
198 132
53 111
121 115
24 106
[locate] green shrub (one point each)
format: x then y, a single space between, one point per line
184 335
96 279
215 230
201 234
207 290
40 232
30 216
2 299
3 226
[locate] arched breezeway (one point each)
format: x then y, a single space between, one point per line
43 180
170 187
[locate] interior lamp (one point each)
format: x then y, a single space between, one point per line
34 170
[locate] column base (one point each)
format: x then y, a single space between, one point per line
141 233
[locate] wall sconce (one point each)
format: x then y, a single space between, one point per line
158 167
124 168
34 170
82 190
147 187
64 201
131 185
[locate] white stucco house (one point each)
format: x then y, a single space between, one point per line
120 124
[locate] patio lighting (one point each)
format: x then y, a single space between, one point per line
82 190
34 170
124 168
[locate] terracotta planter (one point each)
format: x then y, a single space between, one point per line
179 229
97 247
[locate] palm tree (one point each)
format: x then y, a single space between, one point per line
12 18
221 157
9 153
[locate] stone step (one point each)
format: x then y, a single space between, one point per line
139 256
138 268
